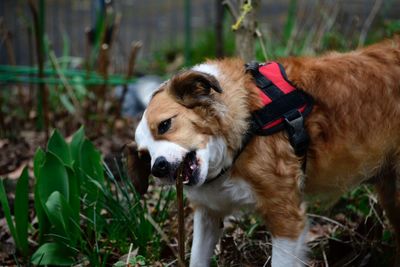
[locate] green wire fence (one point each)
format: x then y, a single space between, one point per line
29 75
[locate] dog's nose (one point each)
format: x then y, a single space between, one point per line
160 167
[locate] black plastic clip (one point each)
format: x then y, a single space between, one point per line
298 136
259 79
252 66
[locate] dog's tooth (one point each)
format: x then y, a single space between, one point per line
193 166
185 181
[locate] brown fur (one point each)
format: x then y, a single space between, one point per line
354 129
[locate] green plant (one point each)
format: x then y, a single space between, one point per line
84 211
18 227
62 172
128 216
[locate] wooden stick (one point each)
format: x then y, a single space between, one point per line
135 47
181 217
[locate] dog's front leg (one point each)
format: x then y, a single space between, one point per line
206 232
277 178
289 251
285 216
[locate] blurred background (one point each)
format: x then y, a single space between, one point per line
94 63
160 26
58 56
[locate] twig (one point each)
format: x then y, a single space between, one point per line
267 261
115 28
338 224
181 222
246 8
30 45
12 61
244 27
372 201
135 47
231 9
38 22
327 219
161 233
329 16
129 254
103 64
368 22
261 40
324 256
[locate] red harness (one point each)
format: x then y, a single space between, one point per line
285 106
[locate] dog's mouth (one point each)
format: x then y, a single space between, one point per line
190 168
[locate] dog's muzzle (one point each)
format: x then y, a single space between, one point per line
161 167
189 168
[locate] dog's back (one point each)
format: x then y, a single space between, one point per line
355 130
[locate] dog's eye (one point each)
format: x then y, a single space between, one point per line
164 126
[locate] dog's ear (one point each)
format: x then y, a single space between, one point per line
139 167
193 88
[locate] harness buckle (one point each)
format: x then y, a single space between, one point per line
298 136
260 80
252 66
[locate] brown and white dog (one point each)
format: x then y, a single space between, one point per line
201 115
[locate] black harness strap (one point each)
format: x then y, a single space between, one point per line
287 109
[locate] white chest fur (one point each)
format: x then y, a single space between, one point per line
224 195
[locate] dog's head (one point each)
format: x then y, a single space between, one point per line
181 127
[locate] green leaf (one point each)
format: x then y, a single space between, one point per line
79 86
21 213
61 216
53 254
53 176
91 162
60 148
74 193
67 103
44 225
76 144
138 260
7 213
38 161
120 264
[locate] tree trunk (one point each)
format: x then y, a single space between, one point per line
245 36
